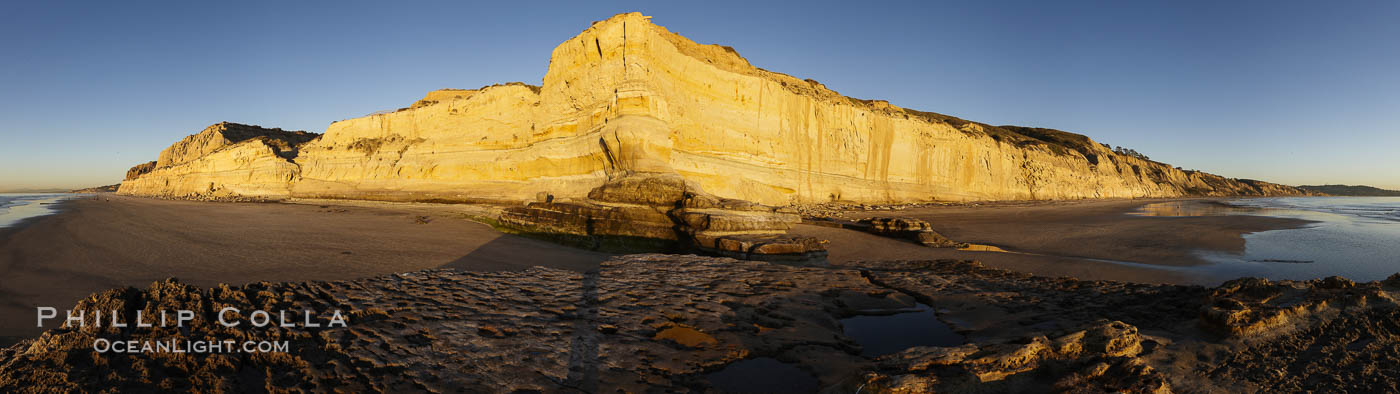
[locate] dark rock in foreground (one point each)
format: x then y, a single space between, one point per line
640 322
662 322
658 212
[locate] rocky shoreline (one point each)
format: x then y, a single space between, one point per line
656 322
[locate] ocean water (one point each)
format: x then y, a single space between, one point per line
15 207
1354 237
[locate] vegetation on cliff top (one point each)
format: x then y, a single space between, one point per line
99 189
1348 190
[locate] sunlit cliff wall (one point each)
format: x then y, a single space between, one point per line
223 160
627 96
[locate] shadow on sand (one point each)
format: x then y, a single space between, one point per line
512 253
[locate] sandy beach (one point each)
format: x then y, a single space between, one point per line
1085 239
384 260
110 241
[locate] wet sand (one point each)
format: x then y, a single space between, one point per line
1063 238
110 241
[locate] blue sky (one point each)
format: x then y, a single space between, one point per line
1290 92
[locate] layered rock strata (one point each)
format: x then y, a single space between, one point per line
139 170
910 229
913 229
664 211
223 160
627 96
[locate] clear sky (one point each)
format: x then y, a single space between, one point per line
1290 92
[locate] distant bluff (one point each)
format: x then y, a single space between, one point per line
627 98
225 159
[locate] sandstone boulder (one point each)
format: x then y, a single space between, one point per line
907 228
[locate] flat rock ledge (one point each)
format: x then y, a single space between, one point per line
909 229
661 212
661 323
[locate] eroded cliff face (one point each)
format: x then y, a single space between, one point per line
223 160
628 98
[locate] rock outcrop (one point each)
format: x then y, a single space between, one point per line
1253 307
1247 335
640 323
138 170
1099 359
654 323
664 211
225 160
223 135
910 229
627 96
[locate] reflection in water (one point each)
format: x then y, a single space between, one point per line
1284 261
1354 237
762 375
990 248
885 334
1194 208
17 207
983 248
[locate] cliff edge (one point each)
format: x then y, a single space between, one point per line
223 160
627 98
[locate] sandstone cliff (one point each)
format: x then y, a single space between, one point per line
223 160
627 97
139 170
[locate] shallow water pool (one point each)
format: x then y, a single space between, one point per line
762 375
884 334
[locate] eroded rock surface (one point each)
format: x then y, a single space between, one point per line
1248 335
662 322
642 322
139 170
223 161
1100 358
